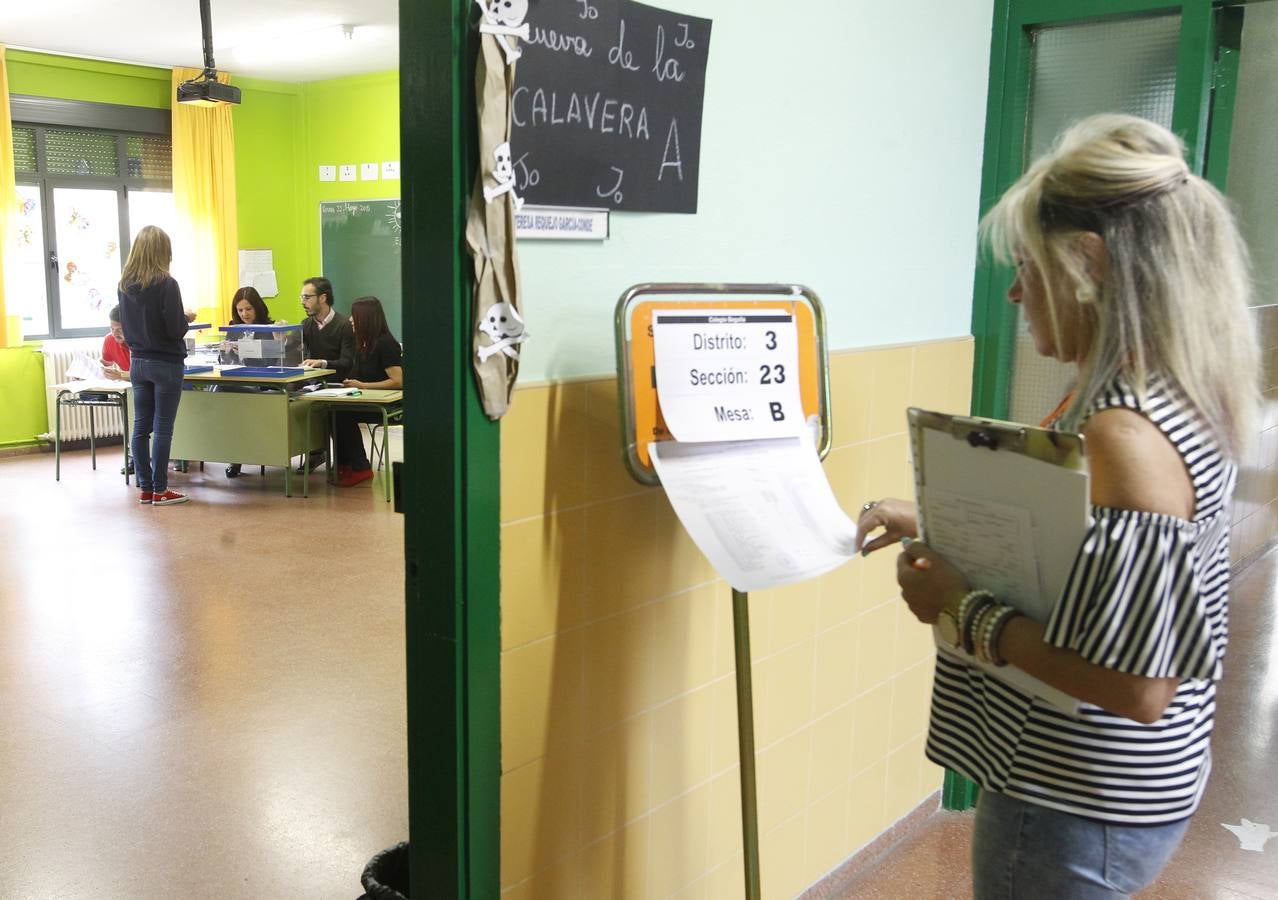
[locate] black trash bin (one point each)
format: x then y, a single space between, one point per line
386 875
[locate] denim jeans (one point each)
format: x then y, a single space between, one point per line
1021 849
157 388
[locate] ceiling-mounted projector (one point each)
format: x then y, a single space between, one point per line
205 89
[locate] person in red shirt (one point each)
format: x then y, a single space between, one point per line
115 352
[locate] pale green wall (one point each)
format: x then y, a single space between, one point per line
841 148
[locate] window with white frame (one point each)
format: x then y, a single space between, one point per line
83 195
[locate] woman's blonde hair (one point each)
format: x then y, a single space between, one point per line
149 258
1176 285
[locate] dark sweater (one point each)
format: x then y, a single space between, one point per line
154 320
384 354
334 342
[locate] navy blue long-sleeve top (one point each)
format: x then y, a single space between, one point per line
154 320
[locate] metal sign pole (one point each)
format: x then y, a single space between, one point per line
745 742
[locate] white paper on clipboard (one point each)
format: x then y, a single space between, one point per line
1010 518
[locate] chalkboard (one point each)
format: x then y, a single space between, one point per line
360 254
607 106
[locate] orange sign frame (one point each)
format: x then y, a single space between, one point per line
641 418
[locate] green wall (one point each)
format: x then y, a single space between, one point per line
270 142
347 120
22 411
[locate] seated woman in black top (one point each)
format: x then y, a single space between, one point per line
378 366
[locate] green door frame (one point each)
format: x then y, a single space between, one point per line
993 318
451 485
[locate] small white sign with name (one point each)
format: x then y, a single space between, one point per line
328 173
368 171
728 375
346 172
390 169
561 223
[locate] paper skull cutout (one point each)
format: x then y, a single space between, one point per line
509 12
503 171
502 322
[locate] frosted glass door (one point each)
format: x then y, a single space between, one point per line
1076 70
87 235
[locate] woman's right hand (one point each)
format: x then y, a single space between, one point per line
895 517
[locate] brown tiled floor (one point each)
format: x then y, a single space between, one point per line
196 701
932 862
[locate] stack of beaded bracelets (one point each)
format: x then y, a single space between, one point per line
981 620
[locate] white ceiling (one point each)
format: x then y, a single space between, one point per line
167 33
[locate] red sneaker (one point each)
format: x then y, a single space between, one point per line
168 498
343 471
145 497
354 477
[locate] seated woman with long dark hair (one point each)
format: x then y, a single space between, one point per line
378 366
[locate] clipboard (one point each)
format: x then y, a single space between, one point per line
1008 504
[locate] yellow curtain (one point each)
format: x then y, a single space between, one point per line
205 251
10 325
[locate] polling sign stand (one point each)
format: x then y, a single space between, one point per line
740 344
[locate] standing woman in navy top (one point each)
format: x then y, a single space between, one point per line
155 326
378 366
1131 268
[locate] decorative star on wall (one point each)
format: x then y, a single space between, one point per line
1252 835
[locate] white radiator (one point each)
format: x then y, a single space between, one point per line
75 419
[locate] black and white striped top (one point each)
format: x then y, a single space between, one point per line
1148 595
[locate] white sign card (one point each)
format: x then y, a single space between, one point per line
561 223
328 173
728 375
762 511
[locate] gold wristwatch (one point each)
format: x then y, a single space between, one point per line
947 624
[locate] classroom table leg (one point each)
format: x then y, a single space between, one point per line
386 466
57 437
124 419
93 440
306 455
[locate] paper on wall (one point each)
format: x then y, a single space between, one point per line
266 284
761 511
254 263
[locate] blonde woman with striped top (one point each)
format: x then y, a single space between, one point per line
1130 267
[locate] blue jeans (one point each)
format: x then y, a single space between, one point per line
1021 849
157 388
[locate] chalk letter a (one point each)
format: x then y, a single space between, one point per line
669 159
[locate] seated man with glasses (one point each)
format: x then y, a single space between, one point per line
328 342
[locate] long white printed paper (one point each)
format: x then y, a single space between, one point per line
761 511
728 375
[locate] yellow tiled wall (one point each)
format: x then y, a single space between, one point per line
1255 516
619 746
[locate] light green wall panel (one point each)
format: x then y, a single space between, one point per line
841 148
270 144
22 410
347 121
46 75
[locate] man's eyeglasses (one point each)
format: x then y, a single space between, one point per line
307 296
